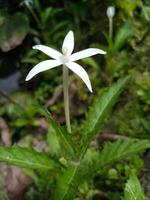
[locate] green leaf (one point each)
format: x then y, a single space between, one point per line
53 142
112 152
146 12
100 110
121 149
93 162
67 184
91 62
64 137
133 189
123 34
27 158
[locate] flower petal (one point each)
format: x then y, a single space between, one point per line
68 44
42 66
48 51
86 53
76 68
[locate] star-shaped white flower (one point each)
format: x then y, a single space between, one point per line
65 58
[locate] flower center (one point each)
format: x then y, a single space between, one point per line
64 59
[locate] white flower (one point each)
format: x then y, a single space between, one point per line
65 58
110 11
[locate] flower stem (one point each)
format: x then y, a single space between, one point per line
66 97
110 27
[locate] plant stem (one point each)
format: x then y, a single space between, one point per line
33 13
110 27
66 97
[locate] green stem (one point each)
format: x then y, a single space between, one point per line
110 27
66 97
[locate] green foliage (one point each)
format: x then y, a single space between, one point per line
67 184
123 34
134 116
53 142
27 158
121 149
100 110
133 189
117 57
62 136
91 62
129 6
146 12
95 161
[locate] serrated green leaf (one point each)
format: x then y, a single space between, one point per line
67 184
133 189
121 149
93 162
27 158
100 110
65 139
112 152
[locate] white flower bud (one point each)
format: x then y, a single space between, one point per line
110 11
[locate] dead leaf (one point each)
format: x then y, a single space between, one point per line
5 134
